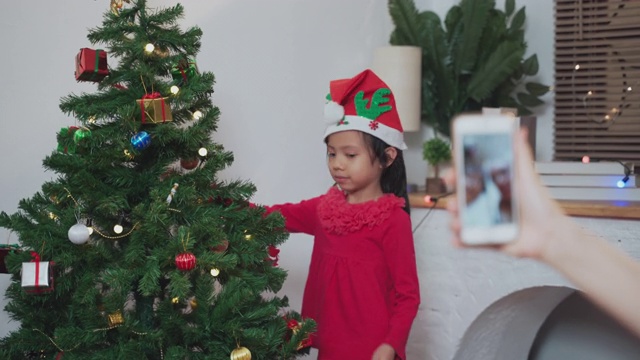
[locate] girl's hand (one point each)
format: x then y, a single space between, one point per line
541 219
384 352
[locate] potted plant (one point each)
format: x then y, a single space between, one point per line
436 151
474 59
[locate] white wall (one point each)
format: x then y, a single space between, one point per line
273 61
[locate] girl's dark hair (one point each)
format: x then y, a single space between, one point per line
394 176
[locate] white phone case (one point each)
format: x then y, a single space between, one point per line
485 167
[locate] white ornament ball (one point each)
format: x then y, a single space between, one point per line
79 234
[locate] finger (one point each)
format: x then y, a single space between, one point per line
449 177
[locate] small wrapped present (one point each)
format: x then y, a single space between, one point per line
37 276
65 140
91 65
184 70
154 108
4 251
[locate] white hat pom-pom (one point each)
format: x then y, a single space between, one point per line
333 112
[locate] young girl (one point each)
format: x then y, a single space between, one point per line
362 288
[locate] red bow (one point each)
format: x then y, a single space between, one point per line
153 95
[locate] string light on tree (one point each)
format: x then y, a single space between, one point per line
197 115
203 151
90 226
174 89
214 272
117 228
149 48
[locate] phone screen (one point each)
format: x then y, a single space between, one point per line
488 172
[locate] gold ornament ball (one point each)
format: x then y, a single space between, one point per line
241 353
194 303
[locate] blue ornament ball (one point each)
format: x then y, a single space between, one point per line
141 140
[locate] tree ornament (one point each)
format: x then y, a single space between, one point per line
222 247
141 140
193 303
189 164
81 135
185 261
79 234
116 5
241 353
174 189
37 276
115 319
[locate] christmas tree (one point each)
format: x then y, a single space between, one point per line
137 250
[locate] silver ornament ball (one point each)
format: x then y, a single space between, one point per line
78 234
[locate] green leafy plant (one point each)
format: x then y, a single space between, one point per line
436 151
474 59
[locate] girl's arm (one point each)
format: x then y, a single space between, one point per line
401 262
301 217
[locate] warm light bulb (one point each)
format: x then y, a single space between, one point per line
175 300
590 92
92 120
202 152
577 67
117 228
215 272
248 237
175 89
607 117
585 159
52 216
149 48
629 88
428 199
197 114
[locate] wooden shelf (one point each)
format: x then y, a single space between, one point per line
597 209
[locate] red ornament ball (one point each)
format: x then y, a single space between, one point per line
222 247
189 164
185 261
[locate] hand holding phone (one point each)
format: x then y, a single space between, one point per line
483 148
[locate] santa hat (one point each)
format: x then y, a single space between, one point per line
364 103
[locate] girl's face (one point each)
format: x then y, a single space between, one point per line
353 166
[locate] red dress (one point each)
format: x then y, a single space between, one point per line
362 288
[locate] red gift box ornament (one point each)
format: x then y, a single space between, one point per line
37 276
4 251
91 65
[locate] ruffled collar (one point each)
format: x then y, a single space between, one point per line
338 217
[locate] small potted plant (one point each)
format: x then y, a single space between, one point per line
436 151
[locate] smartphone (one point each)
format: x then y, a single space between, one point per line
484 160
